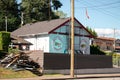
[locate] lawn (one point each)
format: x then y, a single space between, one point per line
8 73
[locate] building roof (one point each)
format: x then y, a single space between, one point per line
106 38
117 41
17 40
43 27
39 27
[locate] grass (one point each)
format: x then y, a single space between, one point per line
47 75
8 73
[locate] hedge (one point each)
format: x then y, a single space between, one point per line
4 40
94 50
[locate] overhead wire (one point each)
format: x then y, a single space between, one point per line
105 9
102 5
108 13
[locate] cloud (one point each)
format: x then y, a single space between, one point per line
107 32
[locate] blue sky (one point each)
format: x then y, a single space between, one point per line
104 15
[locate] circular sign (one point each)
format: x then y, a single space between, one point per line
83 45
57 43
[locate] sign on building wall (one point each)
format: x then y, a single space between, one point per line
84 45
58 43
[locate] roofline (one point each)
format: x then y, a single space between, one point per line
91 35
105 38
59 26
33 34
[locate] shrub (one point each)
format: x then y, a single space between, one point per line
96 51
4 40
14 51
2 54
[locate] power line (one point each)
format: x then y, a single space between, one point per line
106 12
101 5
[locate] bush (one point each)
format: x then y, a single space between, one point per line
14 51
96 51
2 54
4 40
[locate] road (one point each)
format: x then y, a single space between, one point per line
112 78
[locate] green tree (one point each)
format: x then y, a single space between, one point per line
39 10
92 31
9 9
61 14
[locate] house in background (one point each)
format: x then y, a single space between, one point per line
53 36
117 45
104 43
19 43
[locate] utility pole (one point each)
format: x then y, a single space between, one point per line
22 19
49 10
72 39
6 23
114 40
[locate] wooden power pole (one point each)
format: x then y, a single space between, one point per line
6 23
22 19
72 39
114 40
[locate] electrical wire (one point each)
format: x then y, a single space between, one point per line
108 13
102 5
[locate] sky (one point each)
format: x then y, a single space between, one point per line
104 15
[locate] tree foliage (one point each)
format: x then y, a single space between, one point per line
33 10
9 9
61 14
39 10
94 50
4 40
92 31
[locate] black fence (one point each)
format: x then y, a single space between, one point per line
62 61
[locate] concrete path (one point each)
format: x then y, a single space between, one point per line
85 71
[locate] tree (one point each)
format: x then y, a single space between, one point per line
92 31
9 9
61 14
39 10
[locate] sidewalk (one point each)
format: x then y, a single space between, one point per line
68 77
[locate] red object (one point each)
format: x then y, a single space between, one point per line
87 14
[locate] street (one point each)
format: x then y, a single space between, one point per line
111 78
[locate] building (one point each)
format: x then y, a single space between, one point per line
117 45
19 43
53 36
104 43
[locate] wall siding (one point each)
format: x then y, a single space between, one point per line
39 43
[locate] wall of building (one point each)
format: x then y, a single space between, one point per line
104 44
60 40
39 43
58 43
